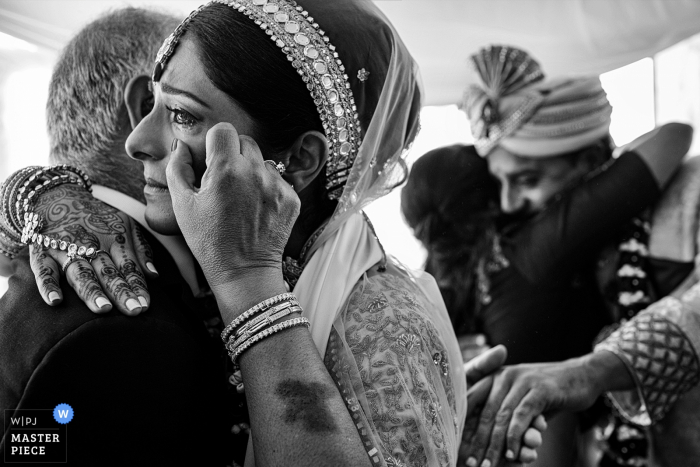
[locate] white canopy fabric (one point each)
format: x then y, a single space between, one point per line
566 36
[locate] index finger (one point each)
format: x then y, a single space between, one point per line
485 364
222 142
250 149
487 420
477 394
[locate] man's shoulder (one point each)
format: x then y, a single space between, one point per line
26 321
34 334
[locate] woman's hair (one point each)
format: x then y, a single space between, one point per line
242 61
450 202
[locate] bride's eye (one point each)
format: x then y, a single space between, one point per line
182 117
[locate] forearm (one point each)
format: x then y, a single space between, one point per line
663 149
297 415
607 372
658 350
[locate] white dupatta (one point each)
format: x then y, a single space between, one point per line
347 248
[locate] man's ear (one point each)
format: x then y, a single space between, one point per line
306 159
138 98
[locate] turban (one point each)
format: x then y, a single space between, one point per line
511 105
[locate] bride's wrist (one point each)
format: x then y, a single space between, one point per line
246 289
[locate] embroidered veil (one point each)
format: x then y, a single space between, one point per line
384 333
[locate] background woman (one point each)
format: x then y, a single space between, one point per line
451 202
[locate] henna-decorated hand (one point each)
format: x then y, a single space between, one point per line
115 276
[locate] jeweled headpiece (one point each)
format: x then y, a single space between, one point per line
512 106
310 52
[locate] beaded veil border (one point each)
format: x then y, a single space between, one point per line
315 59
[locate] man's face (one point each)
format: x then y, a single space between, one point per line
528 184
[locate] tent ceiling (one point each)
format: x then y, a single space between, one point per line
567 36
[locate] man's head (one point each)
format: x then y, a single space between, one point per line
527 184
539 136
86 116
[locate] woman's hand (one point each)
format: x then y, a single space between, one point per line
238 222
116 276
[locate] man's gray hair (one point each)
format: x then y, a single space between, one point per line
86 117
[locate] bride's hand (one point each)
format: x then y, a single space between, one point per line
115 276
239 221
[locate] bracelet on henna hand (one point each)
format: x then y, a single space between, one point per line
18 195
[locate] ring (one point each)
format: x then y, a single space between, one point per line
69 261
278 166
94 255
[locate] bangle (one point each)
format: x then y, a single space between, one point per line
71 249
261 324
262 306
21 190
8 190
245 327
266 333
9 246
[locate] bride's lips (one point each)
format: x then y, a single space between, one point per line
154 187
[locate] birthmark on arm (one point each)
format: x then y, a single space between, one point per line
307 403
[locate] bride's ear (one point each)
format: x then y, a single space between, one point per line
307 157
138 98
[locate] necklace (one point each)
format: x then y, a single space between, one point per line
292 268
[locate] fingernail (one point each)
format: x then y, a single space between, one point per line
102 302
54 297
143 301
486 463
151 267
173 146
510 455
471 462
132 304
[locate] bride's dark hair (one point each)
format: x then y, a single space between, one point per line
450 202
242 61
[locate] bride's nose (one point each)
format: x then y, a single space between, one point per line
147 140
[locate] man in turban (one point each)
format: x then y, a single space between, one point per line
547 142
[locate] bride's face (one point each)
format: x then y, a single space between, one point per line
186 105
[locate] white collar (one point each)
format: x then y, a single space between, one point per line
175 244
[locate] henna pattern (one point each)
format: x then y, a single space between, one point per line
72 214
142 243
81 236
87 286
113 280
44 273
132 275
